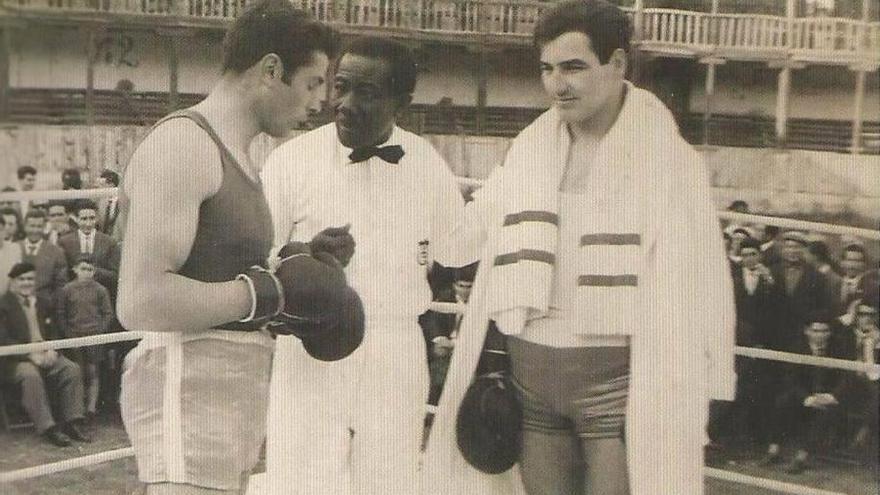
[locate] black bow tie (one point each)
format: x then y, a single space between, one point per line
390 154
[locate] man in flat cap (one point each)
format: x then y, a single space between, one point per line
23 320
803 291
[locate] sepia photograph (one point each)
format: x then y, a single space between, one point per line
439 247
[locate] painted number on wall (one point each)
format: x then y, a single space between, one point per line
117 50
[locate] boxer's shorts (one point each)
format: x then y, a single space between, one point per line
195 411
580 390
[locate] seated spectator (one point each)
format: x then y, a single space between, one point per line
23 320
440 329
84 309
27 181
59 221
860 341
806 409
10 255
48 259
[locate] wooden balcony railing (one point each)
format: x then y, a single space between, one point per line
834 40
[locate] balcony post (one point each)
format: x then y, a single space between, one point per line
5 49
861 71
482 89
638 19
783 91
173 71
710 63
91 56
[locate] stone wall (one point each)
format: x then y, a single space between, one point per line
795 182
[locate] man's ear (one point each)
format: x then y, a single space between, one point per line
403 101
271 67
618 60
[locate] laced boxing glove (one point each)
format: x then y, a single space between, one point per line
307 296
336 241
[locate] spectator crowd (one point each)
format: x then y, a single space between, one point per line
58 274
796 294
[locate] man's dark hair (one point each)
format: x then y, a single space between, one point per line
110 176
750 243
855 248
819 249
85 204
275 26
24 171
71 179
396 54
604 23
35 213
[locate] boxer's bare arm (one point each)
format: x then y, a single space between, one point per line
170 174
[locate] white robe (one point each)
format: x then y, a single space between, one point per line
682 346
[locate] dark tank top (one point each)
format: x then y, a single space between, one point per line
235 226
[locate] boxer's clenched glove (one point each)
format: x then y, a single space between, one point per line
334 240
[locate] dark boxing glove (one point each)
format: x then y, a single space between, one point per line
336 241
319 307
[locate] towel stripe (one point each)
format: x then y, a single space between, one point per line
525 255
611 240
608 281
531 216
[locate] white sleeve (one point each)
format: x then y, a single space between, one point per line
452 246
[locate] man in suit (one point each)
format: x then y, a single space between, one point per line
803 292
755 294
807 407
853 261
24 319
86 239
108 207
49 260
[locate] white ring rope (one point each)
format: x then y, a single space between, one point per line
65 465
767 484
56 194
824 362
104 338
789 223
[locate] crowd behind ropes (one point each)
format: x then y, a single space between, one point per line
59 265
794 294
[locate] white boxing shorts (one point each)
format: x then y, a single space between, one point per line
195 410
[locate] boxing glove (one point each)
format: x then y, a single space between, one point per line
336 241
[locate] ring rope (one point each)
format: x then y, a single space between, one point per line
752 352
824 362
56 194
105 338
65 465
767 484
790 223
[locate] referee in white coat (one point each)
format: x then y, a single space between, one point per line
355 425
